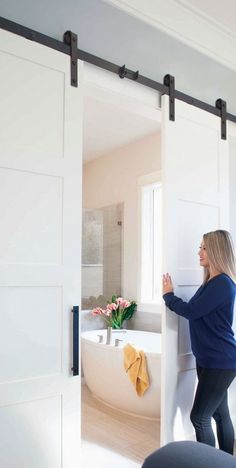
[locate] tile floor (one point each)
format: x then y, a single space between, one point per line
113 439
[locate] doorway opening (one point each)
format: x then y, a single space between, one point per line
122 153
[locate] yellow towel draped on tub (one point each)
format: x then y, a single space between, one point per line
135 366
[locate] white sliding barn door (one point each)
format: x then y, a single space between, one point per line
232 184
40 215
195 201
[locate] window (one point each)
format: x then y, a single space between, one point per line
150 245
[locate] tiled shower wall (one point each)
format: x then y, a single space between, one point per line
101 255
112 250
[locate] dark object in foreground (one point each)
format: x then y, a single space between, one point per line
188 454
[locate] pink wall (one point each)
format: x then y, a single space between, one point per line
113 179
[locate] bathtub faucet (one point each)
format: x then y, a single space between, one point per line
109 334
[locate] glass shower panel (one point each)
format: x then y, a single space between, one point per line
101 255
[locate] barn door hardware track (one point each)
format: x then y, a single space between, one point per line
69 47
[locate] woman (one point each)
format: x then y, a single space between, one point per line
210 315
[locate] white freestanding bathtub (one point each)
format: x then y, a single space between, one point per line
106 377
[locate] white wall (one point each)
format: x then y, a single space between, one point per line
112 179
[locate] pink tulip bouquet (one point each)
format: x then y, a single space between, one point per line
116 311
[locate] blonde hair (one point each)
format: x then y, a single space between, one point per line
220 252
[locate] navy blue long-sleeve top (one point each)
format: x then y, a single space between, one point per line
210 315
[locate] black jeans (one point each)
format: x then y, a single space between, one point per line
211 400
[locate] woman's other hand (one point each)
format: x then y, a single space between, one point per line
167 285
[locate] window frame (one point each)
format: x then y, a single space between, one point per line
151 179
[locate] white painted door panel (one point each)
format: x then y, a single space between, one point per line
40 212
232 166
32 231
195 201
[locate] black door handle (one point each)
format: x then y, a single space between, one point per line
75 368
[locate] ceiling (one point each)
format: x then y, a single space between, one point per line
107 127
207 25
223 13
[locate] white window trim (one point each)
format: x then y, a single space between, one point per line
148 179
